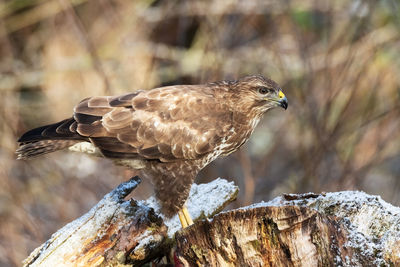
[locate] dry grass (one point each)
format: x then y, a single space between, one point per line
337 62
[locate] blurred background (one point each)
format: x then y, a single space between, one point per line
338 63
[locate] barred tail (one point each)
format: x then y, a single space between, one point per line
48 139
38 148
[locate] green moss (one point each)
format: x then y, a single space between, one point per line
198 251
256 244
270 232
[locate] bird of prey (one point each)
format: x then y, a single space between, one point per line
170 133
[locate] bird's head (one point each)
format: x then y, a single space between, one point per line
260 93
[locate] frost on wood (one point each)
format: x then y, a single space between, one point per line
204 201
334 229
117 231
267 236
373 224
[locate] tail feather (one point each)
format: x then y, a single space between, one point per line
49 138
37 148
60 130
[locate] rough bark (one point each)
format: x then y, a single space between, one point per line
118 232
266 236
335 229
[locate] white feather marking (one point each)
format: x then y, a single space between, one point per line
89 148
136 164
85 147
255 121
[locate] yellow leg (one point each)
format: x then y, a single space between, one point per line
182 219
187 215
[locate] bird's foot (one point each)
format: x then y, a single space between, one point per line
184 217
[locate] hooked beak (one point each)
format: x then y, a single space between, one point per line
283 102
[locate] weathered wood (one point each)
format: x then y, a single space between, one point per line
266 236
334 229
117 232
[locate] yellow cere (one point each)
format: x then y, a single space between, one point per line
281 94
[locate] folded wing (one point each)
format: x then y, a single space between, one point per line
165 124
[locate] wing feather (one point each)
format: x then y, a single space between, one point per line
85 118
123 100
166 124
92 130
98 102
117 118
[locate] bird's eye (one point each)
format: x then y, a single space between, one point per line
263 90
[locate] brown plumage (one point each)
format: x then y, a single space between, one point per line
170 132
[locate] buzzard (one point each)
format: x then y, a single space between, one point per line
169 133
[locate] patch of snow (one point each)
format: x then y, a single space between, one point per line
77 232
373 224
147 239
204 201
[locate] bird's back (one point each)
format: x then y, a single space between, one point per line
165 124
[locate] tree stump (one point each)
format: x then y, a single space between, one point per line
118 232
334 229
267 236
